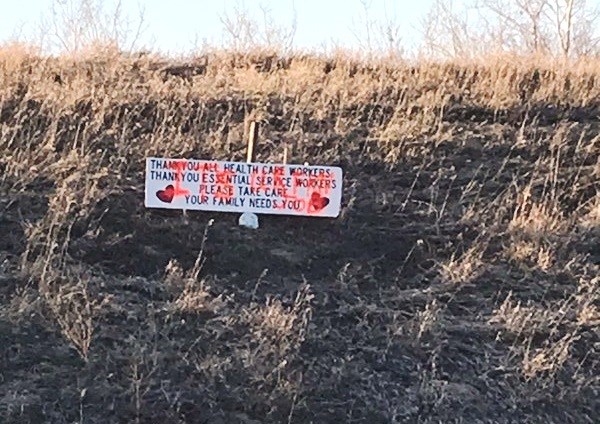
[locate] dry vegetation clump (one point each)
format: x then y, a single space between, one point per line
458 285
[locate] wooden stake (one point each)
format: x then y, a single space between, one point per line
252 139
285 154
249 219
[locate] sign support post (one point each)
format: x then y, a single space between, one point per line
250 219
252 137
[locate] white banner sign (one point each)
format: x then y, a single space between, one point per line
243 187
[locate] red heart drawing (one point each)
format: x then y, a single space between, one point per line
167 194
318 202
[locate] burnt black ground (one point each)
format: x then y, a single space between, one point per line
371 274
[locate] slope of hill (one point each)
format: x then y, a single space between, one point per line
460 283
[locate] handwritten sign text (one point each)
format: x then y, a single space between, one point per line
243 187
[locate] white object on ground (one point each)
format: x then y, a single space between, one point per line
249 220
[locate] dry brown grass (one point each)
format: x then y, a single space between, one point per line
459 284
463 269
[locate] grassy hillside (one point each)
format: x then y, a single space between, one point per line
460 283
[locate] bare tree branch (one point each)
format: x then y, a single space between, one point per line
558 27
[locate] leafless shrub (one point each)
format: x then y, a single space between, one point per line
62 283
68 299
79 26
276 333
378 37
243 32
190 291
559 27
450 33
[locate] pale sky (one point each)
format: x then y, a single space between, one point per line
175 26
